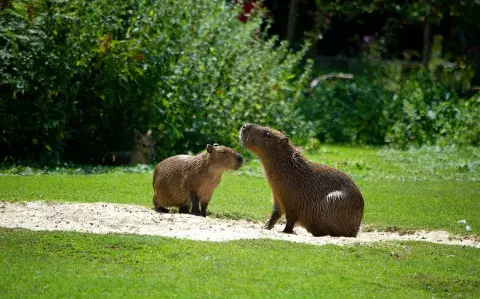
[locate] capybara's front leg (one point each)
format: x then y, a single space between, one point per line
291 219
204 205
195 207
276 214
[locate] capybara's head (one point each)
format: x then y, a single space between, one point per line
144 144
223 157
262 140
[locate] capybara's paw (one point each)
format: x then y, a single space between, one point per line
289 231
161 210
269 225
195 213
184 209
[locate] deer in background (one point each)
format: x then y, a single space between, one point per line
142 153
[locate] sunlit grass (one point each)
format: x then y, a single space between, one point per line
72 265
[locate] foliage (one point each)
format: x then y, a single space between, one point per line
78 77
34 74
457 75
391 107
427 112
464 14
347 112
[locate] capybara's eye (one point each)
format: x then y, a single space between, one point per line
268 134
144 145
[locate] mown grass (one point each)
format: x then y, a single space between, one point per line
416 189
72 265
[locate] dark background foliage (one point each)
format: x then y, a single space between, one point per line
77 78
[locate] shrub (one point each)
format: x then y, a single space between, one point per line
425 111
79 76
365 110
347 111
34 105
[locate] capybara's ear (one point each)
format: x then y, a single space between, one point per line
149 133
209 148
284 140
137 134
215 144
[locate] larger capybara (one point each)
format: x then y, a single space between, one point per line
185 181
320 198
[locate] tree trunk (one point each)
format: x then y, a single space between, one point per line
4 4
427 36
427 42
292 20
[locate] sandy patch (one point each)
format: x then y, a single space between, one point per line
104 218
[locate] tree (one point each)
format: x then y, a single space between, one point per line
292 20
4 4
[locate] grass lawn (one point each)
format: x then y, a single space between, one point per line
72 265
416 189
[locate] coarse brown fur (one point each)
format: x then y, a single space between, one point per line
143 153
320 198
186 181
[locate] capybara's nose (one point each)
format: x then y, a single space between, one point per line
240 159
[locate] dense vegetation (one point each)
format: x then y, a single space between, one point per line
78 77
415 109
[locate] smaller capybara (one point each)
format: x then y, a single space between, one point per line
186 181
320 198
142 154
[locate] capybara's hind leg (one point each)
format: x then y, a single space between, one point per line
319 233
158 204
276 214
317 230
291 219
203 211
185 209
346 233
161 210
195 206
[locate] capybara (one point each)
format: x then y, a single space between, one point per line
320 198
185 181
144 150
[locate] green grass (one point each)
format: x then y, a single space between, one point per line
416 189
71 265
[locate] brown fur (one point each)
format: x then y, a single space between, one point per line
144 150
185 181
320 198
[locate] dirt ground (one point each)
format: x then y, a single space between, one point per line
105 218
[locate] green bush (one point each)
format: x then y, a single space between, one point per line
78 77
34 77
366 110
347 112
425 111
